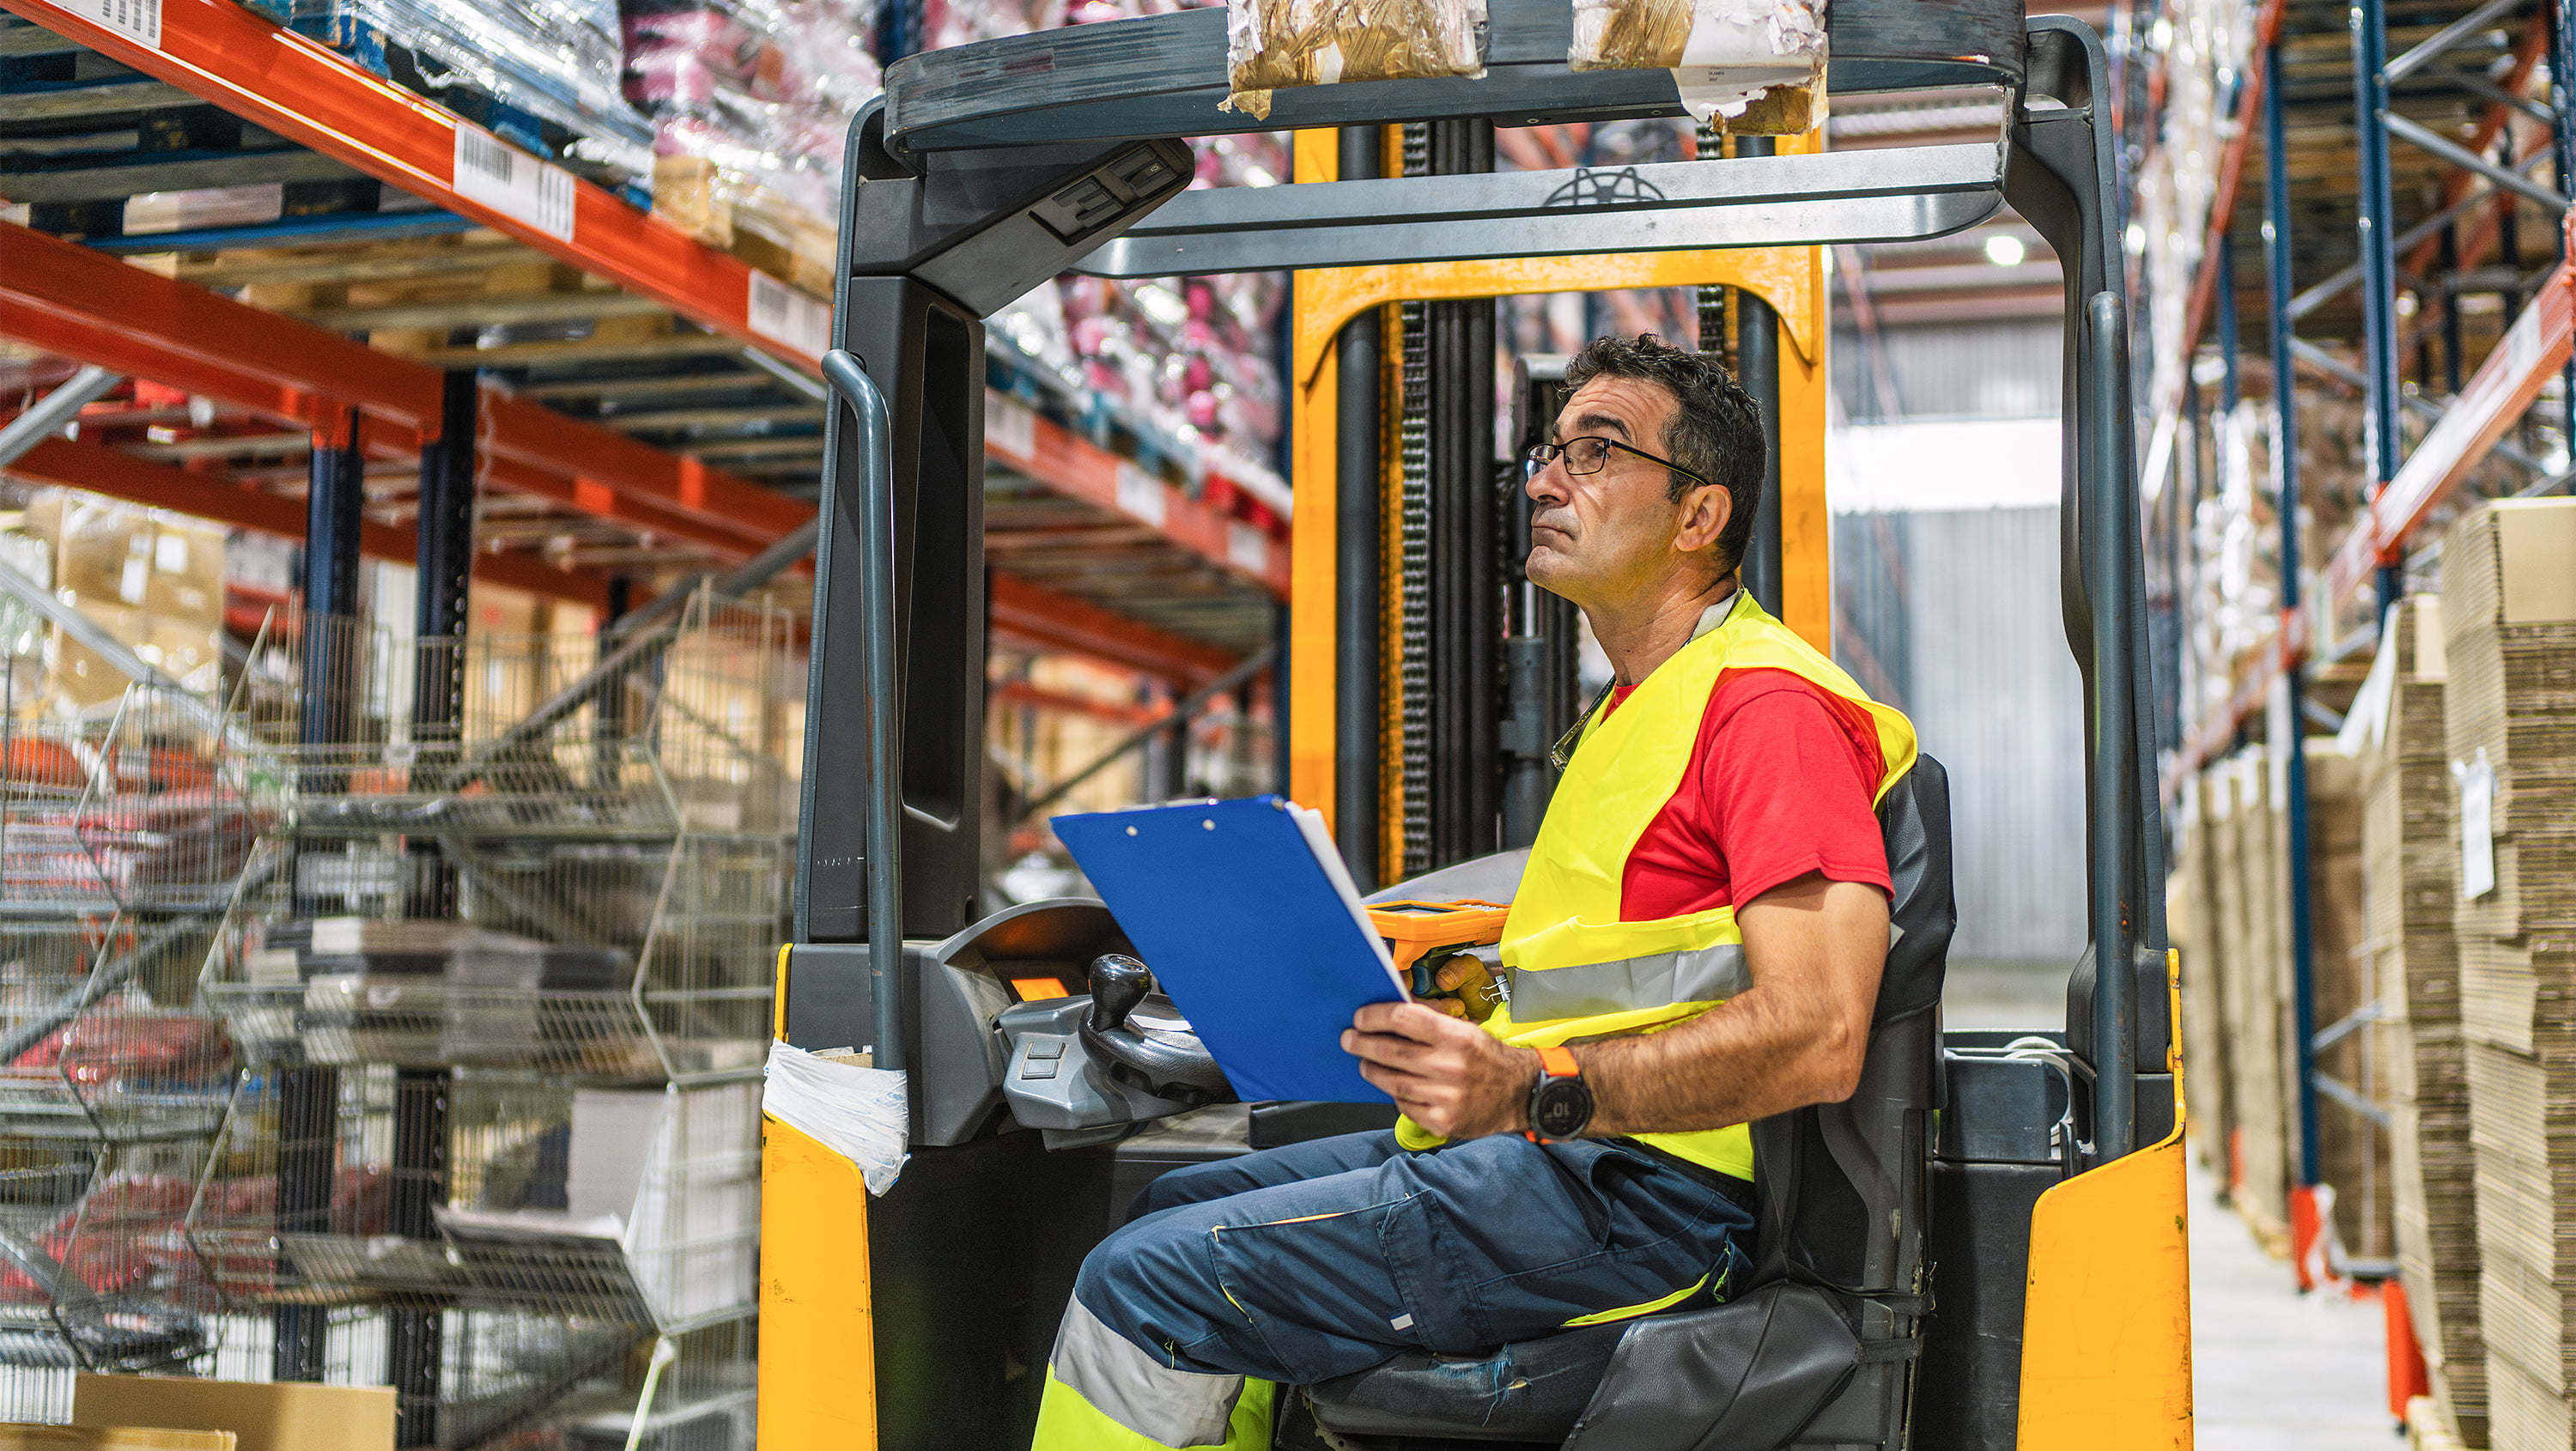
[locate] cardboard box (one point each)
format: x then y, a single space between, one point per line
262 1417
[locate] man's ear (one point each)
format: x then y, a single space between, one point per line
1704 513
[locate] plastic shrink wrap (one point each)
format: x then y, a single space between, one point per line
1271 44
1758 63
558 59
749 102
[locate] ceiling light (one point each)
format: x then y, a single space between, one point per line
2005 250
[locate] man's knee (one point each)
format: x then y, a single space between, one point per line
1136 1278
1189 1184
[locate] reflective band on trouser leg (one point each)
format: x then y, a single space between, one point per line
1699 975
1105 1394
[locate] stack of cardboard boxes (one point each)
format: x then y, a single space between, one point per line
155 580
2509 602
2410 848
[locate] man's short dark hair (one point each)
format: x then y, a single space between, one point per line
1715 431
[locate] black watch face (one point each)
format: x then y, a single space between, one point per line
1560 1108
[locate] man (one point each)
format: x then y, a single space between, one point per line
1696 944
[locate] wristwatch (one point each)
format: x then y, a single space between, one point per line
1560 1102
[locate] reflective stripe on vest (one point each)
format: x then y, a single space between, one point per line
1577 969
1702 974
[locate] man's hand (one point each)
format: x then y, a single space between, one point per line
1467 989
1450 1077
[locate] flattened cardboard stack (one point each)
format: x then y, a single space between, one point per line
2509 595
2250 842
2352 1148
2191 919
2410 851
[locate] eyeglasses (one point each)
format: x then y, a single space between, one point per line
1587 455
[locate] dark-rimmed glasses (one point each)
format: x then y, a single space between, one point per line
1587 455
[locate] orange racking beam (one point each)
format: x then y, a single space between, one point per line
224 54
102 470
1077 468
1052 620
86 305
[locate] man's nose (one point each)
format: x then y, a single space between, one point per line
1546 483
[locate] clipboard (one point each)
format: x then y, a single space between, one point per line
1252 927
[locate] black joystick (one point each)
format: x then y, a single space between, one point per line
1118 984
1141 1039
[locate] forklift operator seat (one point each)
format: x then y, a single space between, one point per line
1819 1347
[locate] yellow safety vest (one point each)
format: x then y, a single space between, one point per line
1577 970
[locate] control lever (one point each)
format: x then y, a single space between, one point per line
1142 1039
1118 984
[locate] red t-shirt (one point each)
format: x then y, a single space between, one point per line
1780 785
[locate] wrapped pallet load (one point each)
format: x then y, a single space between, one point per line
1760 64
2509 611
2410 855
1277 44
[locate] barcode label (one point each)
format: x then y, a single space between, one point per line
136 20
1246 547
782 314
1140 493
1010 428
513 183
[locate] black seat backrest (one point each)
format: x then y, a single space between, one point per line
1832 1173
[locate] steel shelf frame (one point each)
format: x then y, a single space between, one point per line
305 92
2407 486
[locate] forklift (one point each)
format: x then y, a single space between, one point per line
1983 1248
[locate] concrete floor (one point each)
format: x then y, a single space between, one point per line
2273 1370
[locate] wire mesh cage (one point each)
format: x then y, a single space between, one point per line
95 1269
637 1207
122 841
623 821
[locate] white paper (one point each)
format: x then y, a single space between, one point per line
1319 839
858 1113
2477 825
491 171
613 1135
785 314
1740 48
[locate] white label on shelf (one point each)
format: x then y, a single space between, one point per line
1140 493
1246 547
137 20
783 314
2477 825
1012 428
510 181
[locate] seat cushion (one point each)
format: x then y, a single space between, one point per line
1531 1392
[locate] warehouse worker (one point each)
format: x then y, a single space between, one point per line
1696 944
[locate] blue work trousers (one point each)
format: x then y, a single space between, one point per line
1303 1263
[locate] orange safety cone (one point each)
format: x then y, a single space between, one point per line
2407 1375
2315 1252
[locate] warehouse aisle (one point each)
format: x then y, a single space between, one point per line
2272 1369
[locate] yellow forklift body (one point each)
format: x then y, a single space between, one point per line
2106 1327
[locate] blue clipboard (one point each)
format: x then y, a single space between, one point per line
1251 925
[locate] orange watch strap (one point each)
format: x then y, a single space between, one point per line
1558 1062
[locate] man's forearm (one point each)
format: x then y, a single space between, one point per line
1741 1061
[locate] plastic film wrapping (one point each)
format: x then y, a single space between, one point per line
557 59
1758 63
750 101
1271 44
